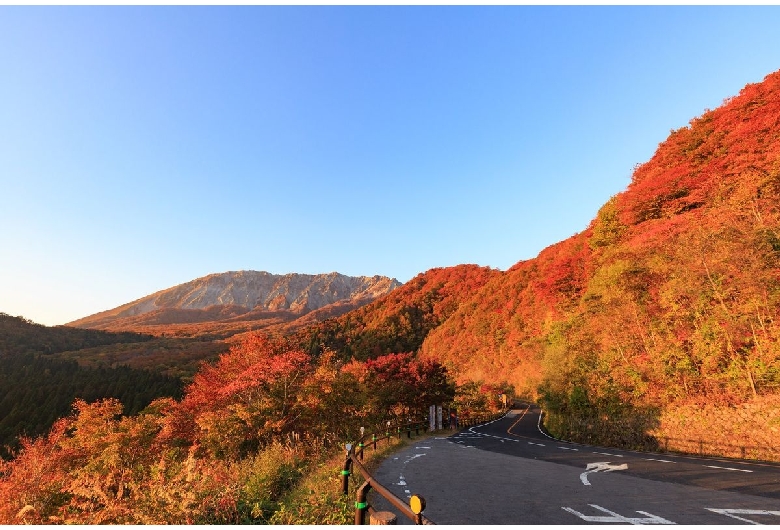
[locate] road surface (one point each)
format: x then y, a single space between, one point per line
509 472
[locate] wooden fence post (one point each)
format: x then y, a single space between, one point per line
361 504
346 471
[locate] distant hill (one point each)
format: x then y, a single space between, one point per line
19 335
37 386
227 303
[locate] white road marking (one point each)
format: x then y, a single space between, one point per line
617 518
607 454
731 469
413 457
733 513
595 467
568 448
422 447
532 443
539 426
659 460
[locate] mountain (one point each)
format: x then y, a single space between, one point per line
230 302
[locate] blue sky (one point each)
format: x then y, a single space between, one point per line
142 147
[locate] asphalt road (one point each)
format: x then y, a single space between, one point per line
509 472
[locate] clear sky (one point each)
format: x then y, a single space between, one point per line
142 147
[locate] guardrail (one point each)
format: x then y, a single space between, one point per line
714 448
699 447
353 460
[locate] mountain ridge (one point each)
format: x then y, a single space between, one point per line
241 296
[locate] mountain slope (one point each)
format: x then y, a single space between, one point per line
672 293
225 302
400 321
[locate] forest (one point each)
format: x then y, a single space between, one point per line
37 387
656 321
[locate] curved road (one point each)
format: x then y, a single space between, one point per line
509 472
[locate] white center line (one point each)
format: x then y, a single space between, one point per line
607 454
659 460
568 448
731 469
532 443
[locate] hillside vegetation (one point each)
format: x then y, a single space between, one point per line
671 296
400 321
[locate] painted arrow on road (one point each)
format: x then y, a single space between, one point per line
595 467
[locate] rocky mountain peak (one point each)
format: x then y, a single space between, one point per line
256 291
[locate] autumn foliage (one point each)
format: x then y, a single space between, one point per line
226 452
401 320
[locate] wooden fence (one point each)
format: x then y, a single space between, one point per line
353 462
